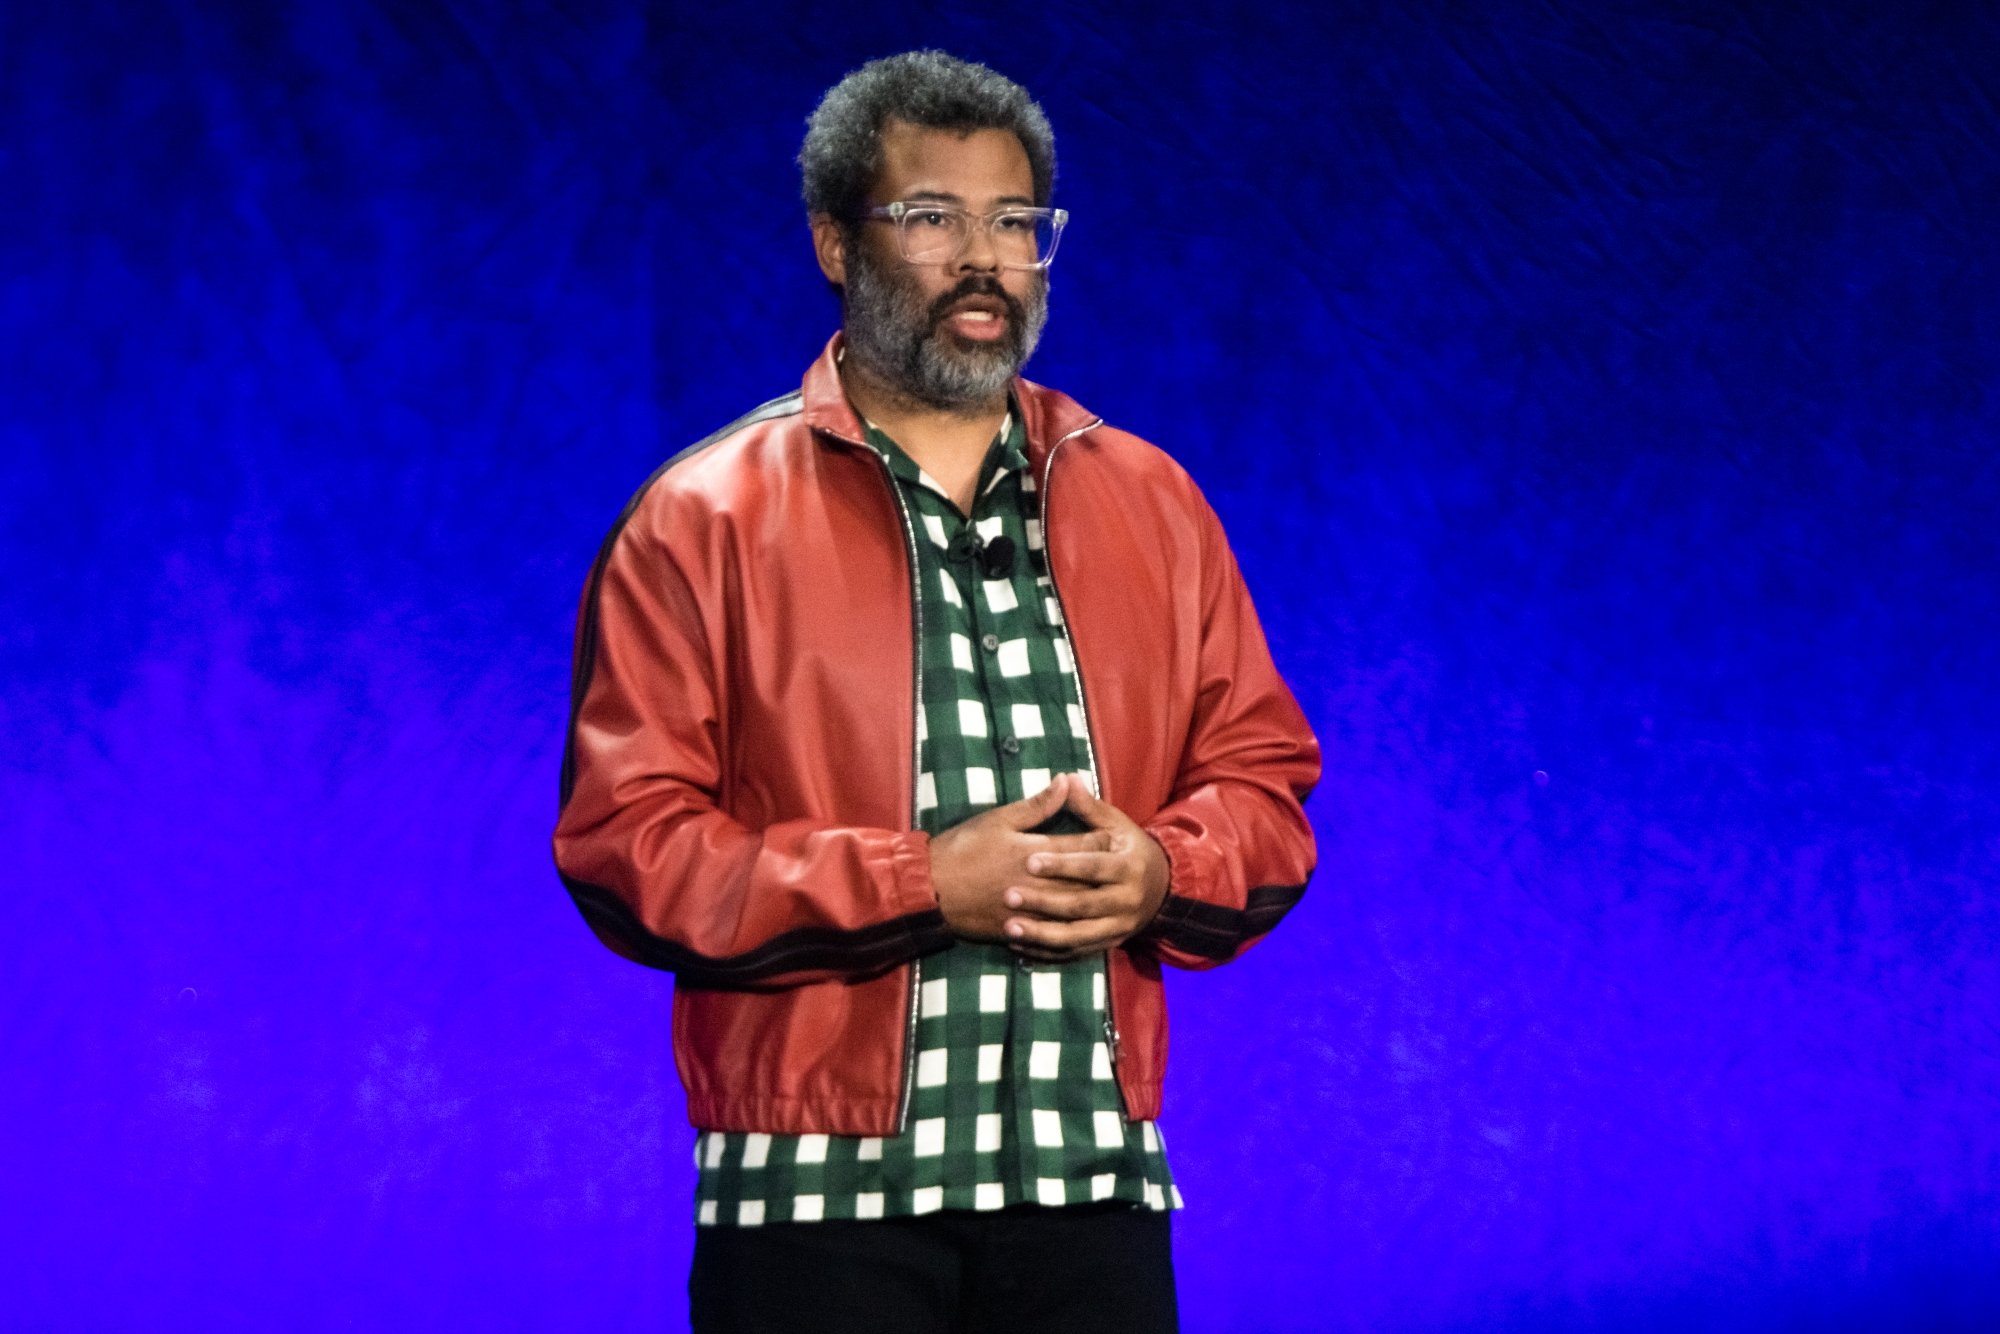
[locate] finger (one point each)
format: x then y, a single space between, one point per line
1085 803
1090 868
1056 903
1065 938
1030 811
1094 840
1031 885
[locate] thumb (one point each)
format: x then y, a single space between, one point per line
1031 811
1086 803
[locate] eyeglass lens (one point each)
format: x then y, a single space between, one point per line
1021 240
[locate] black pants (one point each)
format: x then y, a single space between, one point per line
1022 1270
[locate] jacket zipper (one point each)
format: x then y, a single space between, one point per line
1089 746
916 768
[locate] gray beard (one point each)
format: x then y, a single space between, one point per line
891 331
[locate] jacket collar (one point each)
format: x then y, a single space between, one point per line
1046 414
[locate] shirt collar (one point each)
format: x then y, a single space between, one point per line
1008 453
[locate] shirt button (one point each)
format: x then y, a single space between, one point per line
991 643
1012 745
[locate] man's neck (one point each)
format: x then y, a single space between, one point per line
947 443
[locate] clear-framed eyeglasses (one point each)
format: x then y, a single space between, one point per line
932 233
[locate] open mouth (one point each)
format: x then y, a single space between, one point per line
980 324
981 319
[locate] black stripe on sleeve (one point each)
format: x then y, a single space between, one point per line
869 949
1210 931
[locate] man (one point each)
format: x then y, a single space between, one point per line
919 717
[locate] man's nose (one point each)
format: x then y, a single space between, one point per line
978 254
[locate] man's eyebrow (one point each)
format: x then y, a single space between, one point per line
947 197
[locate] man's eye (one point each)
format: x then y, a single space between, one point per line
1014 222
932 218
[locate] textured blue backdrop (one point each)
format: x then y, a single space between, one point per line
1601 399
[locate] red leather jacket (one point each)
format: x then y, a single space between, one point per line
738 790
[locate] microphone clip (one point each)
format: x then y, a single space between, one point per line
995 559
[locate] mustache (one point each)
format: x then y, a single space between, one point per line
1016 315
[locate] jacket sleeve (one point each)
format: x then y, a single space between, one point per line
1239 848
661 873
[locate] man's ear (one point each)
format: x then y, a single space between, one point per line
830 248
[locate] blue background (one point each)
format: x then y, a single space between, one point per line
1600 398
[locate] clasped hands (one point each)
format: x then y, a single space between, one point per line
1049 897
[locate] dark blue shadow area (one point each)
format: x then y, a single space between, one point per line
1600 400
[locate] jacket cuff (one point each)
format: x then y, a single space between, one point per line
916 900
1184 873
1189 861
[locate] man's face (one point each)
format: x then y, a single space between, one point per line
948 333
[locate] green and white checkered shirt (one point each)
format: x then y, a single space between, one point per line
1014 1100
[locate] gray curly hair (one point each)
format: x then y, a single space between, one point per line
843 149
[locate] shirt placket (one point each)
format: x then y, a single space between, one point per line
972 726
1001 614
